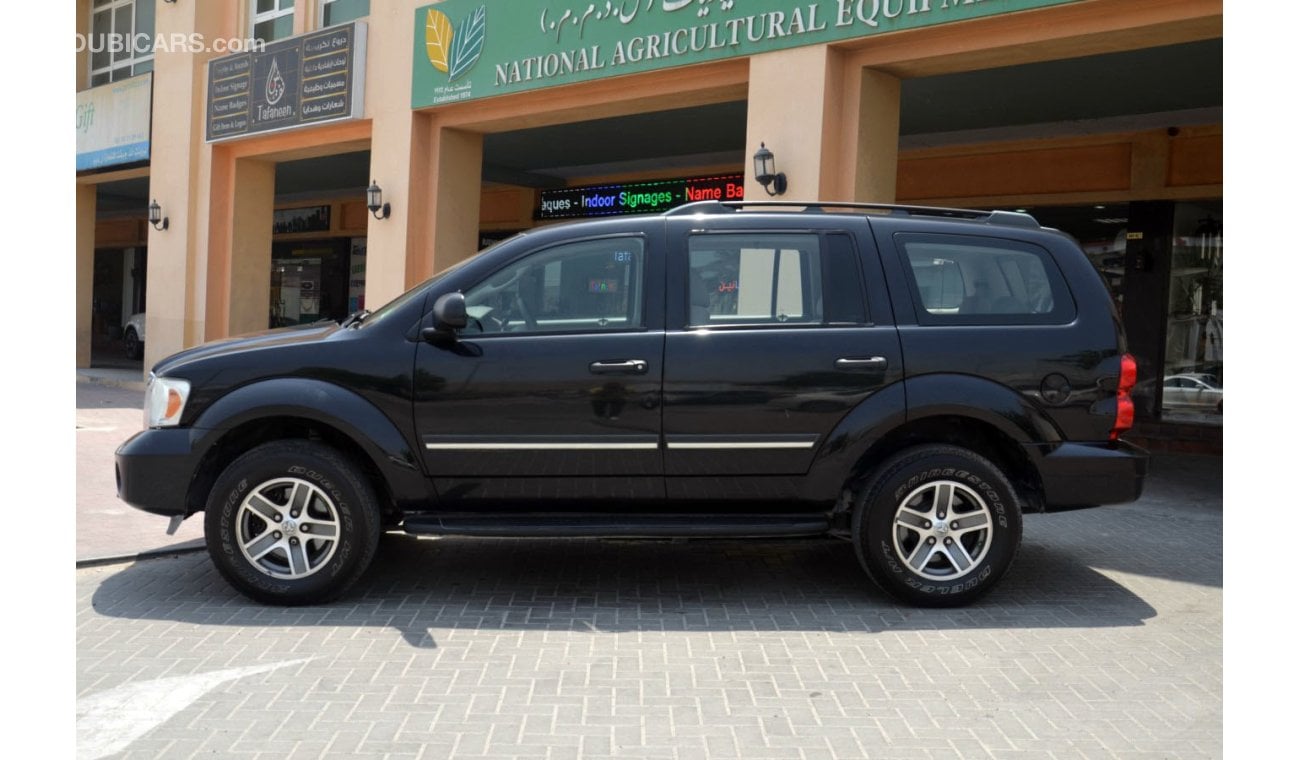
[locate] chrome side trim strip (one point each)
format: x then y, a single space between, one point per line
541 446
743 445
684 443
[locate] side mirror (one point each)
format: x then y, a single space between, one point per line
448 317
449 311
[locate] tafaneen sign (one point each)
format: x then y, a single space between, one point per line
304 80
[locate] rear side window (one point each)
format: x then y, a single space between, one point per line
774 279
971 280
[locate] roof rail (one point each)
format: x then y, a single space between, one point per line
697 207
1005 218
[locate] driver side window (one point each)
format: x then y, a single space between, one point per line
593 285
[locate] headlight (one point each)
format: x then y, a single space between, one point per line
164 401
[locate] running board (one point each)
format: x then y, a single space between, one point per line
577 525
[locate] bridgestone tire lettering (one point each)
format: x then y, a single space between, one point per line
324 468
878 497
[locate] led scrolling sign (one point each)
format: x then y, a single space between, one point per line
639 197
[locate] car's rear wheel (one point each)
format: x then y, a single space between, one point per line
292 522
131 344
936 525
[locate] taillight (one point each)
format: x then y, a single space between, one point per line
1128 375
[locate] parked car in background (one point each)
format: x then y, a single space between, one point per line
1193 390
133 337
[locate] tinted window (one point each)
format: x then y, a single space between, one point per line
592 285
966 280
790 279
844 302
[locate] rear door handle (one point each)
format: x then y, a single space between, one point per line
628 367
868 362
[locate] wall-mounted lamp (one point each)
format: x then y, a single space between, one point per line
765 171
375 201
156 217
170 2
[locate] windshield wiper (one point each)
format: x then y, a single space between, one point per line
356 318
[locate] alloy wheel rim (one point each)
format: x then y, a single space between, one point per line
942 530
287 528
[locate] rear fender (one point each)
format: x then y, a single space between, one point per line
856 433
861 439
977 398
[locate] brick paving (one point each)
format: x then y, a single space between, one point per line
1104 641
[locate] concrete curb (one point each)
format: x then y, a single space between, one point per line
121 379
189 547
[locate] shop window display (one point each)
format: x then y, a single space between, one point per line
1193 371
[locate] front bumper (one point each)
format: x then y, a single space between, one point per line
155 468
1077 475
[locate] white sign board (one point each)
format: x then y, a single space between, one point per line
113 123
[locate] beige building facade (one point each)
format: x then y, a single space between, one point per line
1014 105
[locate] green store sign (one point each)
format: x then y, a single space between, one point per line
470 49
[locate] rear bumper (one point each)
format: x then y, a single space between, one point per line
1077 475
155 468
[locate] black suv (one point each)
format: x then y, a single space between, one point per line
909 379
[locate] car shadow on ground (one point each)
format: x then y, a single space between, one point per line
1174 533
420 586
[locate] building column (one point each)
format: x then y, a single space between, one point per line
456 191
177 262
85 271
833 128
1148 259
792 105
876 175
433 176
252 224
398 157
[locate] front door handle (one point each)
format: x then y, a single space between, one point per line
868 362
628 367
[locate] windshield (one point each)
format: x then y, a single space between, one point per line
395 305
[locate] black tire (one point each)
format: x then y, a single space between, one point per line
913 554
293 561
131 344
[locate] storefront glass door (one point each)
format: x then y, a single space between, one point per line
1193 372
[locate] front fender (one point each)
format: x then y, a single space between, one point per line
318 401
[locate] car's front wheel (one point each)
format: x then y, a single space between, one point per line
936 525
292 522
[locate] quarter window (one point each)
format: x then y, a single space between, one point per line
594 285
958 280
